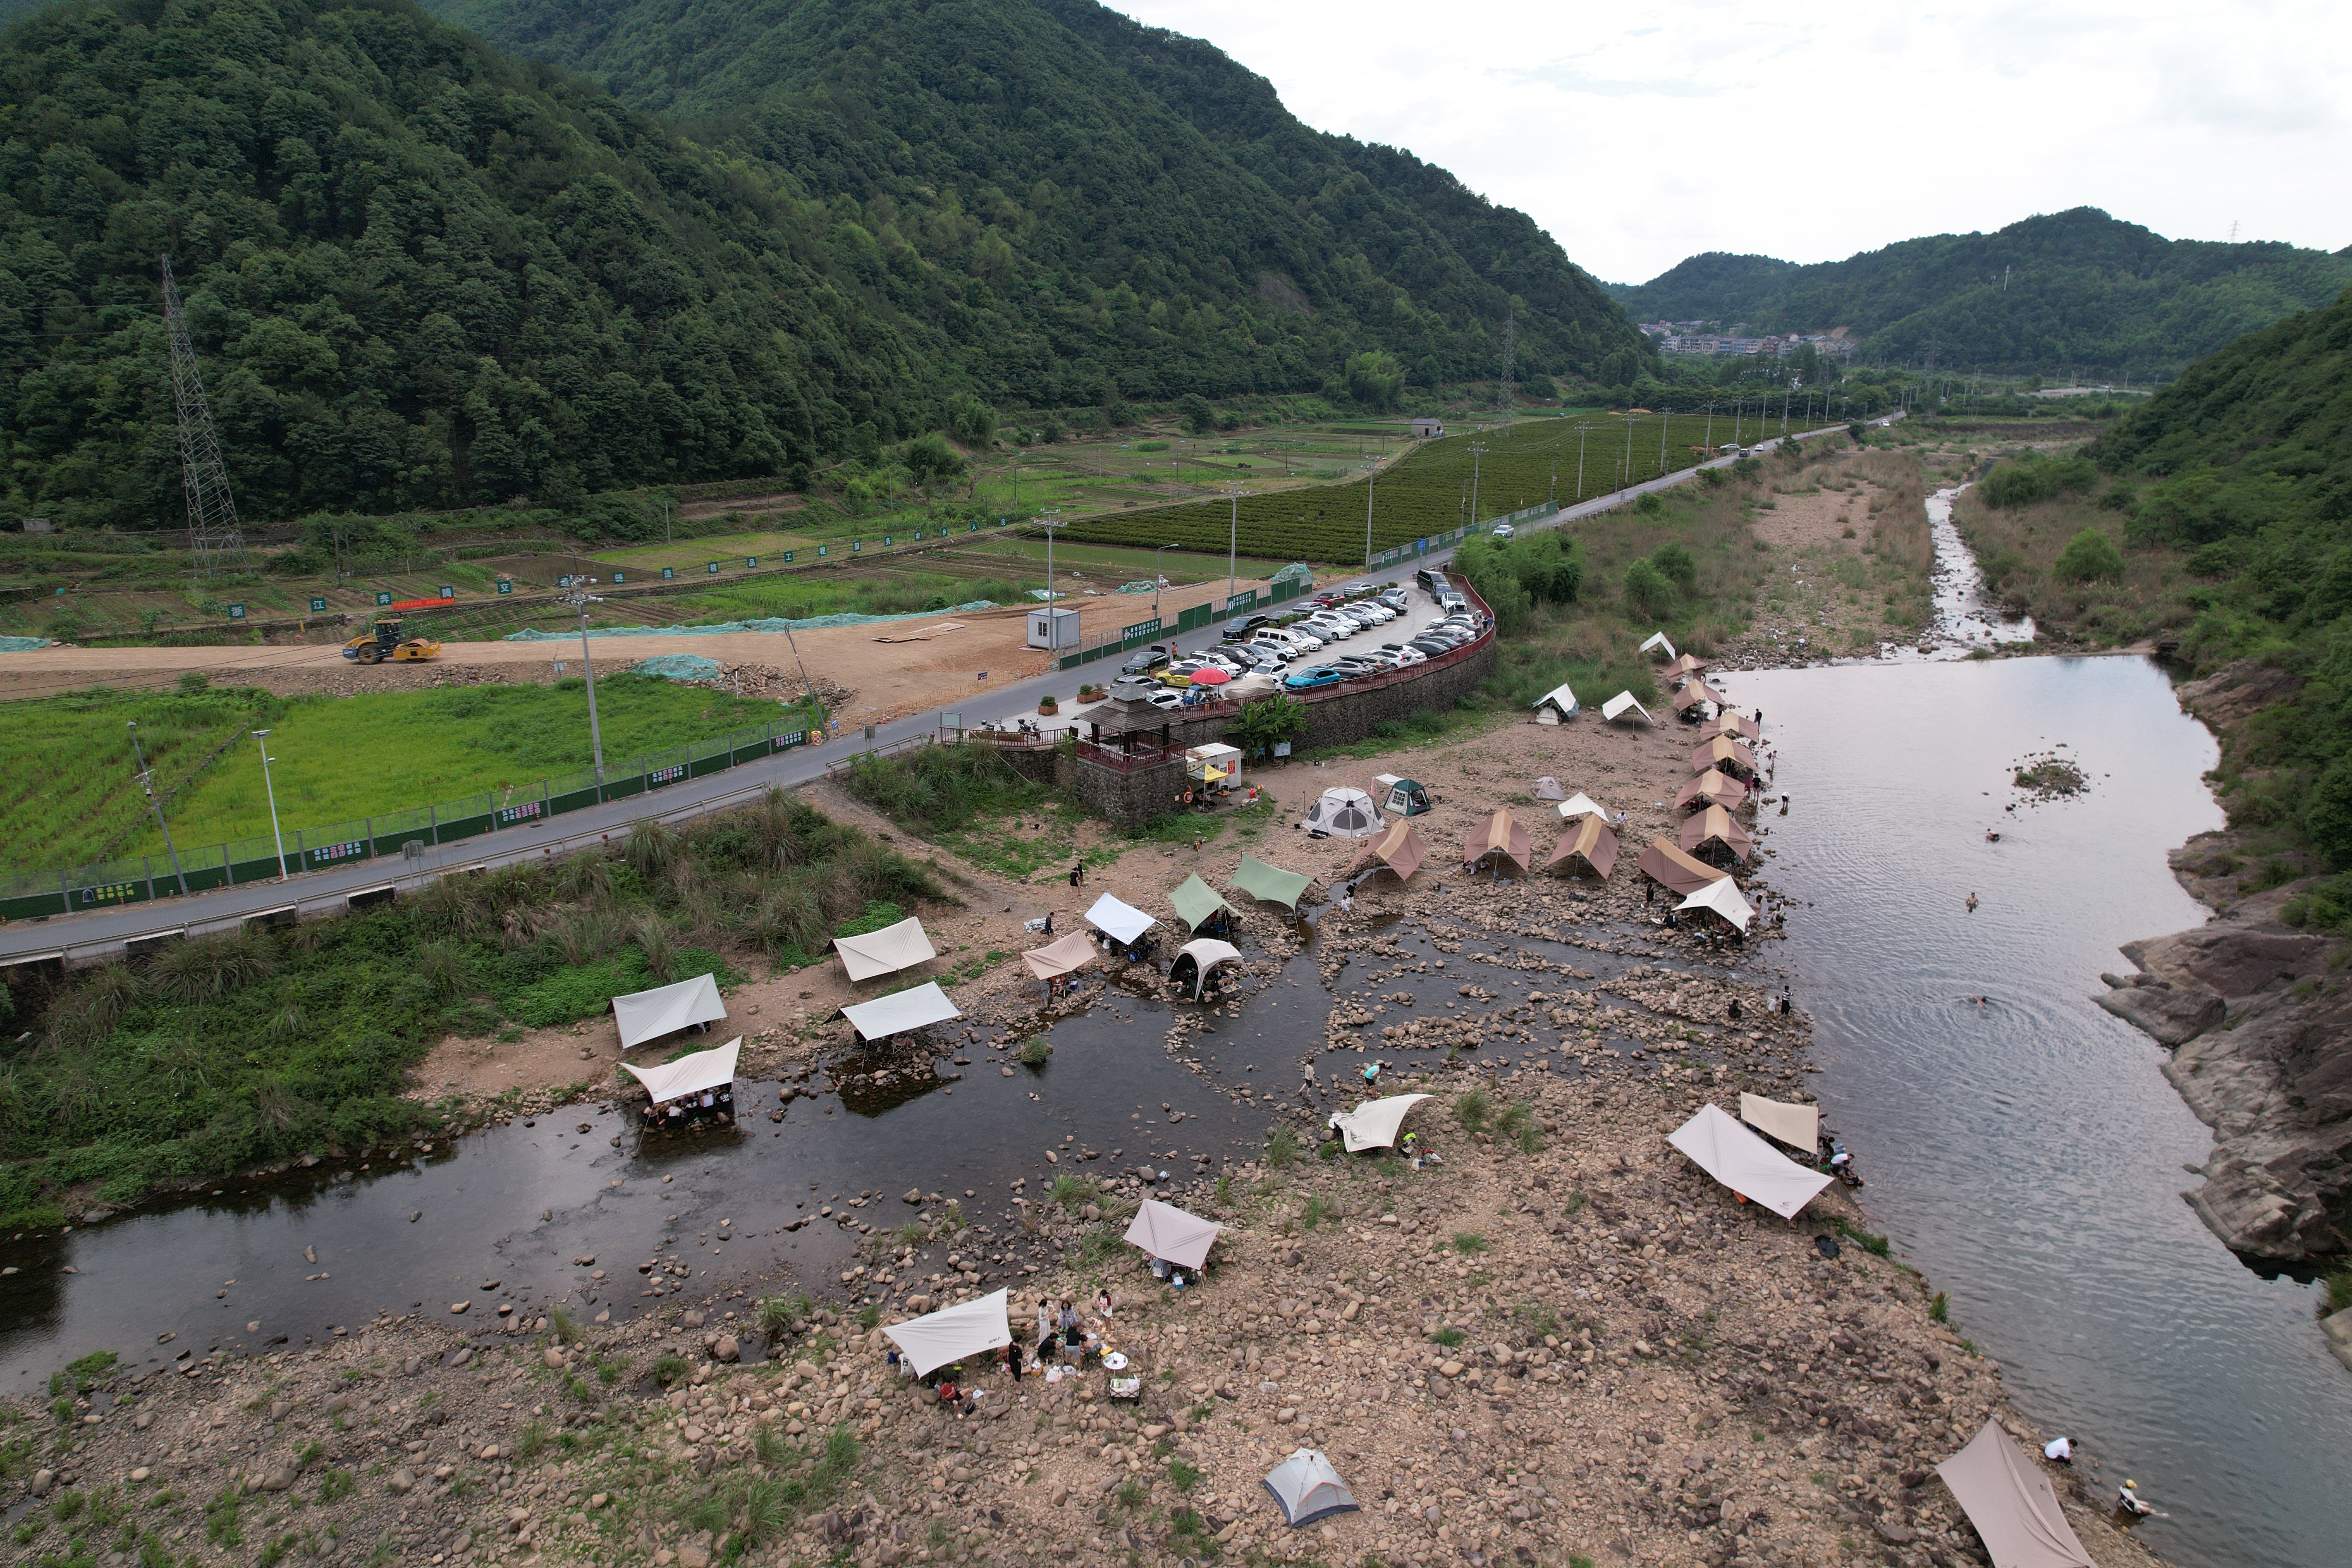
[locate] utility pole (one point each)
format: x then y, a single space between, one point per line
271 789
579 598
1665 419
147 783
215 538
1709 438
1372 474
1477 450
1049 522
1155 580
1233 538
1582 431
1628 480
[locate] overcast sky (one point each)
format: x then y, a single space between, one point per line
1686 126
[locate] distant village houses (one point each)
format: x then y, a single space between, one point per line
1685 337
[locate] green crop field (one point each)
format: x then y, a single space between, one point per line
333 759
1429 490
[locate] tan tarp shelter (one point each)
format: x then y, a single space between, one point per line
1717 824
2009 1500
1375 1123
1122 922
885 951
1712 787
1746 1163
1501 834
1725 899
1583 804
1551 788
1688 664
1206 954
1798 1126
645 1015
1656 643
966 1331
1738 726
1195 901
1402 850
1691 696
1163 1230
1306 1489
1062 956
1271 884
1589 842
1624 702
690 1074
1674 870
1721 753
915 1007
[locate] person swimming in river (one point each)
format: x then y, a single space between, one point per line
1972 902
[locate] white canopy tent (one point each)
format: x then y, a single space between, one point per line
952 1333
1746 1163
648 1015
1624 702
1559 700
1309 1489
901 1012
1064 955
1799 1126
1343 813
2009 1499
1162 1230
1206 953
1725 899
1583 804
885 951
1656 643
690 1074
1121 922
1375 1123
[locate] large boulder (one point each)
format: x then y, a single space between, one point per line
2168 1016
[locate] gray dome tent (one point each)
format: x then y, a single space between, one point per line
1309 1489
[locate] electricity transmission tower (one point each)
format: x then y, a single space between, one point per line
212 511
1510 354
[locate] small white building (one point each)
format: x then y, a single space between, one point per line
1428 429
1051 627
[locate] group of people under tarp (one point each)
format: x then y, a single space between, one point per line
693 1109
1066 1340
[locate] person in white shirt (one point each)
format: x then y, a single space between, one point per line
2059 1451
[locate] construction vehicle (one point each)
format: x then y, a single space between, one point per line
383 641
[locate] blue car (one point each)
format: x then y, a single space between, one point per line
1312 680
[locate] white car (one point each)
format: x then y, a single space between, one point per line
1395 600
1331 624
1165 699
1505 530
1278 653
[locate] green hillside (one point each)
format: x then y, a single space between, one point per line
2075 291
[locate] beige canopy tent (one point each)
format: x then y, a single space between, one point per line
1501 834
1715 825
1692 696
1402 850
1195 901
1583 804
1688 664
1723 897
1674 870
1587 841
1163 1230
1624 702
1721 753
1202 956
2010 1500
1746 1163
1798 1126
1738 726
901 1012
1712 788
645 1015
885 951
1375 1123
1271 884
1064 956
690 1074
966 1331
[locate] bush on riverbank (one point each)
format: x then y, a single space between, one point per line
228 1052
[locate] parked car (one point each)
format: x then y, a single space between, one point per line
1144 661
1432 647
1395 600
1272 652
1505 530
1314 679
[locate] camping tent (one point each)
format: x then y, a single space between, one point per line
2010 1500
885 951
1163 1230
1309 1489
1712 788
1205 955
1119 922
1692 696
1271 884
1799 1126
1404 796
1722 752
901 1012
1347 813
1062 956
1725 899
1501 834
1583 804
1550 788
1589 841
1196 900
1688 664
968 1329
1617 707
1375 1123
648 1015
1402 850
1746 1163
1674 870
1738 726
1715 825
690 1074
1656 643
1558 703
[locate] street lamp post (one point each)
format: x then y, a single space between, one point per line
147 783
1372 474
1582 431
1709 438
1232 539
271 790
579 598
1477 450
1156 580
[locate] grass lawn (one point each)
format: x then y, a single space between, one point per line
334 760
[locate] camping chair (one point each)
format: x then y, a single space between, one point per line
1127 1388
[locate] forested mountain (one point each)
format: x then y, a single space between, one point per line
2076 290
1090 208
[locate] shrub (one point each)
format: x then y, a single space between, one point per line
2090 557
1648 590
1674 563
207 968
1470 1108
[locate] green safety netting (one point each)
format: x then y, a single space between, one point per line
679 666
1196 901
766 623
1271 883
1136 588
22 645
1298 572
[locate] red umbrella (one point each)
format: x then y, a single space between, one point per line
1210 675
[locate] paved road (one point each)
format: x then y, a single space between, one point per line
101 931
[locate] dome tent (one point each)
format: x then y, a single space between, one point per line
1344 813
1309 1489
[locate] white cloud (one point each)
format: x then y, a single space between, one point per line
1694 125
